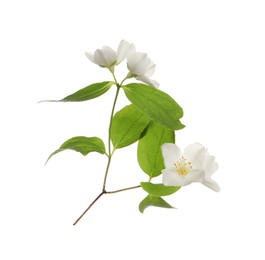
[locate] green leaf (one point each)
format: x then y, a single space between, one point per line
159 190
153 201
89 92
127 126
149 148
82 144
158 105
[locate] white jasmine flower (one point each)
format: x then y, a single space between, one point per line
194 165
142 68
106 57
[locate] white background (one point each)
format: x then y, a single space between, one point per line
210 57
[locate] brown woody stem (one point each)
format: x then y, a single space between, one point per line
104 192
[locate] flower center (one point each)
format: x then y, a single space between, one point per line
183 167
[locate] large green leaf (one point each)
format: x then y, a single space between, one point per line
127 126
82 144
89 92
155 103
149 148
159 190
153 201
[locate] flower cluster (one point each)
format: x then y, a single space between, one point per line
139 64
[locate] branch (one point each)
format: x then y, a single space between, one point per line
94 201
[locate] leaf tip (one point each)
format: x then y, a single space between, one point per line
141 208
42 101
48 159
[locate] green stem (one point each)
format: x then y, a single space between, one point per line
109 140
111 117
123 81
116 191
116 82
106 174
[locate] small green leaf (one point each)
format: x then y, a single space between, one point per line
158 105
153 201
149 152
127 126
159 190
89 92
82 144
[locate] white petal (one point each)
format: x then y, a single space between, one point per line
171 154
142 67
99 58
195 153
148 81
194 176
89 55
154 83
109 55
125 49
106 57
137 63
209 166
171 178
211 184
150 70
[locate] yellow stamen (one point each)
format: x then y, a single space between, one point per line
182 166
